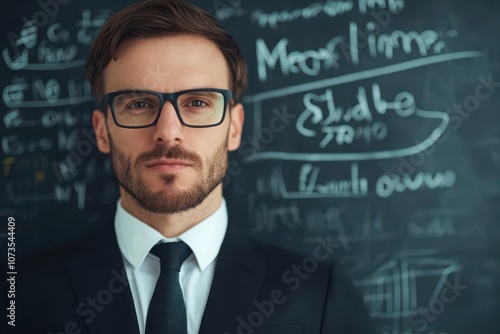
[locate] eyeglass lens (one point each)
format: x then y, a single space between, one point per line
195 108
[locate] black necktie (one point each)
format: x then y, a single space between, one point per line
167 312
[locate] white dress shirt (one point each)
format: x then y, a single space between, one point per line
136 239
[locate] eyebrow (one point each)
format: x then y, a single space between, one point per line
189 88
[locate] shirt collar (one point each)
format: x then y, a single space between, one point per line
136 238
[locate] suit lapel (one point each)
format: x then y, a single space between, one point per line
239 273
101 287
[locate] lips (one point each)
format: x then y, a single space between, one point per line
168 165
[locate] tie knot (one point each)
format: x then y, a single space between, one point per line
171 254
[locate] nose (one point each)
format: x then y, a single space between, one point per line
168 129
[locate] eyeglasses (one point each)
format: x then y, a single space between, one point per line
195 108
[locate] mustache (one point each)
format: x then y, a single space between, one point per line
172 152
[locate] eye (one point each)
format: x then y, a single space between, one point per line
139 105
197 103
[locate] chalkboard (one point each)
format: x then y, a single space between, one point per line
373 125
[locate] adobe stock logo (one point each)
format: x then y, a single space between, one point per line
420 319
92 305
291 280
49 8
458 114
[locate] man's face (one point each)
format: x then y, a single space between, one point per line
168 168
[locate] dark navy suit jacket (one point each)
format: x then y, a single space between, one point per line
256 289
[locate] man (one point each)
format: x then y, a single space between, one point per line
167 78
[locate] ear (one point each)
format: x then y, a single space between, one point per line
235 127
101 131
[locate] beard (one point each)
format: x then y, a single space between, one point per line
170 199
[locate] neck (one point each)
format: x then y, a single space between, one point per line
172 225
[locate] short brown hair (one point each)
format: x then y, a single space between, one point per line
155 18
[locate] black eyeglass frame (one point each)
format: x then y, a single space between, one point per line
108 99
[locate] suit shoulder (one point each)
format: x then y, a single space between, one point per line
280 258
49 259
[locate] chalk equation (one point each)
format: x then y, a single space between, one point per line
320 110
315 180
342 51
26 92
51 47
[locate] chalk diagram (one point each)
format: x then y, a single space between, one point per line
391 292
257 99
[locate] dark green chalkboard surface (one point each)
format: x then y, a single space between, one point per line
372 126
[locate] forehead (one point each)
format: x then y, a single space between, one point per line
167 64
